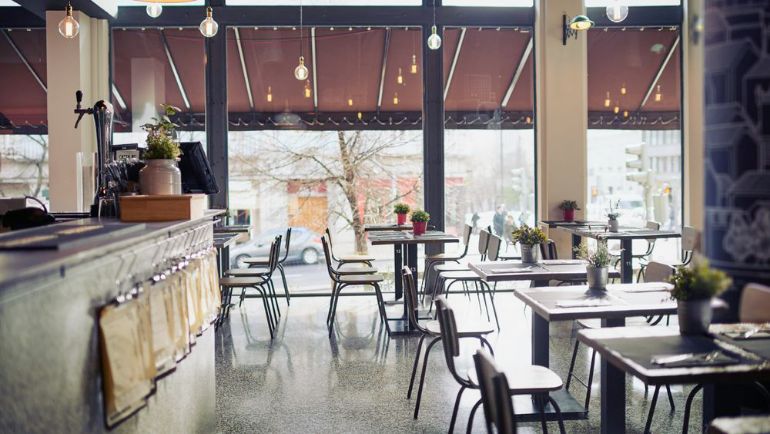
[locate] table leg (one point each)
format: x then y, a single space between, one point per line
576 239
540 351
411 262
626 261
225 258
613 391
398 258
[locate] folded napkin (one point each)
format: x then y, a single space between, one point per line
714 358
590 302
649 287
564 262
748 335
508 270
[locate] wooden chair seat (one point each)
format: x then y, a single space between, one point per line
589 323
356 258
444 257
246 272
451 267
526 380
259 260
355 268
240 281
356 279
464 330
460 275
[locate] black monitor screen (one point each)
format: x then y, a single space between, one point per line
196 171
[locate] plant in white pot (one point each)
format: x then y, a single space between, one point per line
161 175
530 239
612 217
694 287
598 264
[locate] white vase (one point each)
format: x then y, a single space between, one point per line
160 177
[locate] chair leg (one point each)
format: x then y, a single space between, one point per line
590 378
492 302
331 302
484 341
670 398
473 414
559 417
687 406
267 312
334 309
414 366
381 307
541 404
285 286
572 364
422 376
651 412
456 409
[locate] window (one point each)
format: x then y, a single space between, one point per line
23 115
324 2
483 3
489 138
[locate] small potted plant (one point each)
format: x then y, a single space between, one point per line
529 239
401 210
598 263
161 175
694 287
612 217
569 207
419 221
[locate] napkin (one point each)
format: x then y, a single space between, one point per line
743 336
509 270
714 358
583 303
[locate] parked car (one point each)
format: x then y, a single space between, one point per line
305 247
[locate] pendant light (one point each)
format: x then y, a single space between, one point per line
350 102
658 95
308 91
617 11
269 94
154 10
208 26
616 110
301 72
434 40
68 26
400 78
395 99
413 68
623 89
607 101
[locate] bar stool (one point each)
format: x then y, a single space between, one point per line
264 261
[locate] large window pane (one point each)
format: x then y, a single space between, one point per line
23 115
489 138
335 150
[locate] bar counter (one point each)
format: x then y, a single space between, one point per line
50 371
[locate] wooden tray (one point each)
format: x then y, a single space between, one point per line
144 208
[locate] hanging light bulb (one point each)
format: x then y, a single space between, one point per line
616 110
300 72
269 94
625 113
434 40
68 26
154 10
623 89
360 116
308 92
607 101
658 95
413 69
350 102
395 99
528 120
208 26
617 11
400 78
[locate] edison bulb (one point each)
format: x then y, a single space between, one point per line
68 26
300 72
154 10
434 40
208 26
617 12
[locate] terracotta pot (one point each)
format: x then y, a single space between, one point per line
401 219
160 177
569 215
694 316
419 227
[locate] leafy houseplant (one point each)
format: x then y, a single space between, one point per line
569 207
419 221
401 210
161 175
529 238
598 263
694 287
612 217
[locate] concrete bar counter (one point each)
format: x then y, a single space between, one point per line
50 369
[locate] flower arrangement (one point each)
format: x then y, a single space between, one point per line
598 257
160 144
613 213
528 236
420 216
698 282
401 208
568 204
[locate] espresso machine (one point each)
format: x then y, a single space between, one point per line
105 202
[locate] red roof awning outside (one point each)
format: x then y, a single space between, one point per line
23 101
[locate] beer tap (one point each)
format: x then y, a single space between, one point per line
103 112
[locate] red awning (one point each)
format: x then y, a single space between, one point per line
23 101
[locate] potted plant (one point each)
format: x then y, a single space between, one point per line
529 239
694 287
419 221
569 207
401 210
161 175
612 217
598 263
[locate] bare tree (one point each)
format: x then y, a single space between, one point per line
27 164
362 165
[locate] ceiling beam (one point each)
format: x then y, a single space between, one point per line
172 64
24 60
12 17
517 74
383 68
454 62
662 68
243 68
313 57
104 9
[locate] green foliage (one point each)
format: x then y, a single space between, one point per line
160 145
568 204
599 257
698 282
527 236
420 216
613 213
401 208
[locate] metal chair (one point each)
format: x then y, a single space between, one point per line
690 243
263 262
482 246
642 258
533 380
432 330
495 399
431 260
346 259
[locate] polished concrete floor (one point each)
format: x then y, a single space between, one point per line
305 382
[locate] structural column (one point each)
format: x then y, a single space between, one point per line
81 63
433 129
216 108
692 114
561 114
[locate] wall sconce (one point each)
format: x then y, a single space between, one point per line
571 27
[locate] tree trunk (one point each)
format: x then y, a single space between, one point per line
349 187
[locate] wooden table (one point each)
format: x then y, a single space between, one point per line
540 273
630 349
222 242
405 253
626 236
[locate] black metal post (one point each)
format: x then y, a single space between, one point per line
216 109
433 130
